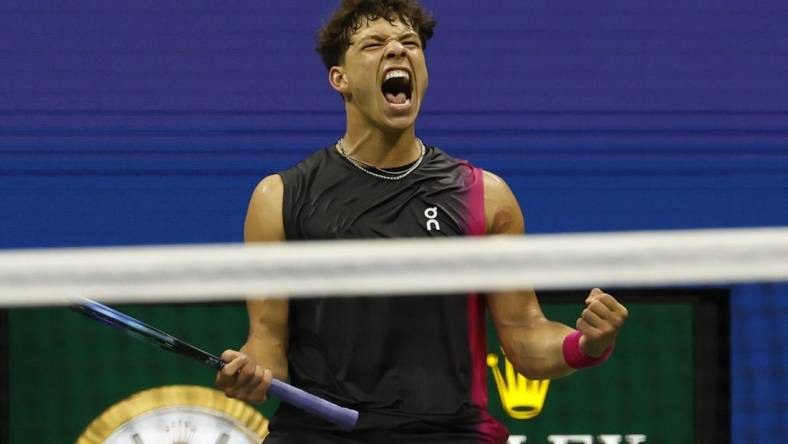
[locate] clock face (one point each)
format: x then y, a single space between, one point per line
183 425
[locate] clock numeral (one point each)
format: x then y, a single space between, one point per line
137 439
223 438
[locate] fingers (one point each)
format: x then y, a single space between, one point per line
608 301
236 365
229 355
594 293
595 320
603 317
250 378
242 378
587 329
258 393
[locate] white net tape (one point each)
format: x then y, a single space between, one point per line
403 266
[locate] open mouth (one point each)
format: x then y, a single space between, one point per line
397 87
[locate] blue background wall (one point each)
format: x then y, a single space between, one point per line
152 121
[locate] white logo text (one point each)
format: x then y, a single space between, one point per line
431 214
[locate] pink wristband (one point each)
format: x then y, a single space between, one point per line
576 358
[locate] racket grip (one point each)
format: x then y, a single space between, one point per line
341 416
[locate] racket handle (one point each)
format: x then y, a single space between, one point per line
345 418
341 416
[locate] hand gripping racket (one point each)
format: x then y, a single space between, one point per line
341 416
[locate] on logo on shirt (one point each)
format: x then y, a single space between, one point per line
432 223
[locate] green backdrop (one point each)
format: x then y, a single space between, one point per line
66 369
645 388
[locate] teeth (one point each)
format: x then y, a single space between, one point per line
396 73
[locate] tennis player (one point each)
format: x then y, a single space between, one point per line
414 367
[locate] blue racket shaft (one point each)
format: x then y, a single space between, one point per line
343 417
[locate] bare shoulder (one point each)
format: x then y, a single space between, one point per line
264 215
270 187
501 210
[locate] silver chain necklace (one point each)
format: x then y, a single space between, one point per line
363 167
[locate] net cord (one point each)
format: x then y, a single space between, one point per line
387 267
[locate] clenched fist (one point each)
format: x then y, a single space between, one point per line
242 378
600 322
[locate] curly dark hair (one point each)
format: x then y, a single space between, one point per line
333 39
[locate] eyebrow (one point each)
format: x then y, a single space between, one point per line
381 38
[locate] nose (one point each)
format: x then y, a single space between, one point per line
395 49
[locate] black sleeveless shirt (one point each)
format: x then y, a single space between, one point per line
412 364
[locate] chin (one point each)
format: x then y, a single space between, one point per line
397 124
398 120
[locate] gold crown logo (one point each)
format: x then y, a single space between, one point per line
522 398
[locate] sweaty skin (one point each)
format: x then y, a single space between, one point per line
386 132
531 342
248 372
383 135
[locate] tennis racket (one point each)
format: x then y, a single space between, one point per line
343 417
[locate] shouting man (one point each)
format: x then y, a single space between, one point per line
414 367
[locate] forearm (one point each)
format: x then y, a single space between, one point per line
268 337
536 349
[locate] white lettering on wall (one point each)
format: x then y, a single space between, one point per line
571 439
583 439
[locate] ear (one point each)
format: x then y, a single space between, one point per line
338 80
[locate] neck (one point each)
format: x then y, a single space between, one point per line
382 149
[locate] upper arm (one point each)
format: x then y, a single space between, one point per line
268 318
264 220
502 213
503 216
